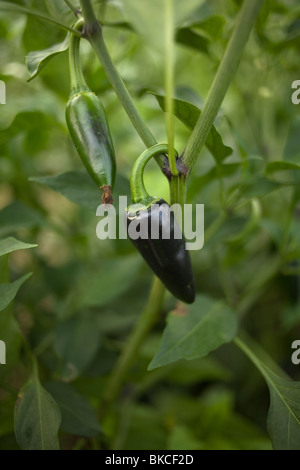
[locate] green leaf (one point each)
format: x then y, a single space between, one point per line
18 216
192 39
14 8
9 291
188 114
108 281
284 412
78 416
37 418
212 26
37 60
220 171
188 335
258 187
78 187
272 167
181 438
76 344
8 245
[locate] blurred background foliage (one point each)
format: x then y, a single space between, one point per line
84 295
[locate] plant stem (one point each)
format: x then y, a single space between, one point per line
95 36
145 321
14 8
222 80
71 6
178 190
139 193
257 355
169 81
76 76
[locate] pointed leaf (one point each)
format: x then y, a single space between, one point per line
18 216
8 245
78 187
78 416
272 167
193 333
37 60
284 412
37 418
188 114
9 291
76 343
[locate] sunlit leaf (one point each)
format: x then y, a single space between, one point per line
8 245
37 60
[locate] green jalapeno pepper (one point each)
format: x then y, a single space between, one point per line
88 126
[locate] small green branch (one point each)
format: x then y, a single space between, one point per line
257 355
94 34
220 85
144 323
71 6
14 8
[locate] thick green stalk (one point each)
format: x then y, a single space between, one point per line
222 80
144 323
169 81
177 185
94 34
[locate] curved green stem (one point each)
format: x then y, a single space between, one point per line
77 79
220 85
139 193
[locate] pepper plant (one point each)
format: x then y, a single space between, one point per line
94 357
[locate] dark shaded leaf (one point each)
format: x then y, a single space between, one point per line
9 291
37 418
78 416
188 114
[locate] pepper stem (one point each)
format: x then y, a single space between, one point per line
78 82
139 193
